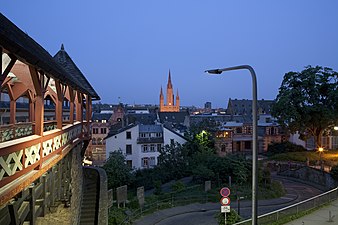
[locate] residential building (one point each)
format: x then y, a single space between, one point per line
141 143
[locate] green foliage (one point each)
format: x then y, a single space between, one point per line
158 189
116 216
232 217
334 172
277 148
308 101
178 186
118 172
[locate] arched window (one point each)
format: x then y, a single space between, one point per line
99 141
93 141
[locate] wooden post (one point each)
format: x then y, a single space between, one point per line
88 114
13 212
79 107
12 111
32 217
71 102
39 106
58 104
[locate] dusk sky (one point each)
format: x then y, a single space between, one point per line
126 48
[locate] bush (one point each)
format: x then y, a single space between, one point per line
178 186
277 148
232 217
334 172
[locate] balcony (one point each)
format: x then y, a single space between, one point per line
148 140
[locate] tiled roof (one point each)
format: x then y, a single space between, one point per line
18 43
113 132
67 63
173 117
244 106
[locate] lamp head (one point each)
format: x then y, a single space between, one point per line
215 71
320 149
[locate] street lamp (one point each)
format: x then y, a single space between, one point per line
254 135
320 149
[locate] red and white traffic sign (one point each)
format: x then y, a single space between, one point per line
225 201
225 192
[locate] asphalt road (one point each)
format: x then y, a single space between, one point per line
296 192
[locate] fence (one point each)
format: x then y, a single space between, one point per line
295 209
174 200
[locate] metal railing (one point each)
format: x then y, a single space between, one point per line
173 201
295 209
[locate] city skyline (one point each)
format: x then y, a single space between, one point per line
125 49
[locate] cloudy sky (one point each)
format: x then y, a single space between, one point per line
126 48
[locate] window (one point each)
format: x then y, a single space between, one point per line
130 163
95 130
172 141
247 145
152 161
128 150
103 130
104 121
144 162
144 148
152 148
159 146
99 141
93 141
128 135
223 149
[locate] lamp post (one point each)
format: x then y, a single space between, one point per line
320 149
254 135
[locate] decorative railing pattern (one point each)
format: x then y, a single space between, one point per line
14 131
22 157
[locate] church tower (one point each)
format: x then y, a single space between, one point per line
170 104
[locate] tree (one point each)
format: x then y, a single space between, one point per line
118 172
307 102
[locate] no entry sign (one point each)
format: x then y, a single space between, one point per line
225 192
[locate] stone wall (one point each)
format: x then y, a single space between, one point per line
76 184
318 178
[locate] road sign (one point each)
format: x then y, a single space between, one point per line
225 208
225 201
225 192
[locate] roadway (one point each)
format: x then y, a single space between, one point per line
204 214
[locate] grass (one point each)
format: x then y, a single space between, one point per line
330 157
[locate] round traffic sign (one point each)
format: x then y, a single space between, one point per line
225 192
225 201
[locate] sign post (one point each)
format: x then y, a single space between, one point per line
225 201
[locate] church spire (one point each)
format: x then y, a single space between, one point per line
169 81
161 93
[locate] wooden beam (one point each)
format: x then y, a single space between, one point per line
8 68
12 117
58 104
71 104
39 106
79 106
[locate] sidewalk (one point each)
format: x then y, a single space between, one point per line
320 216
